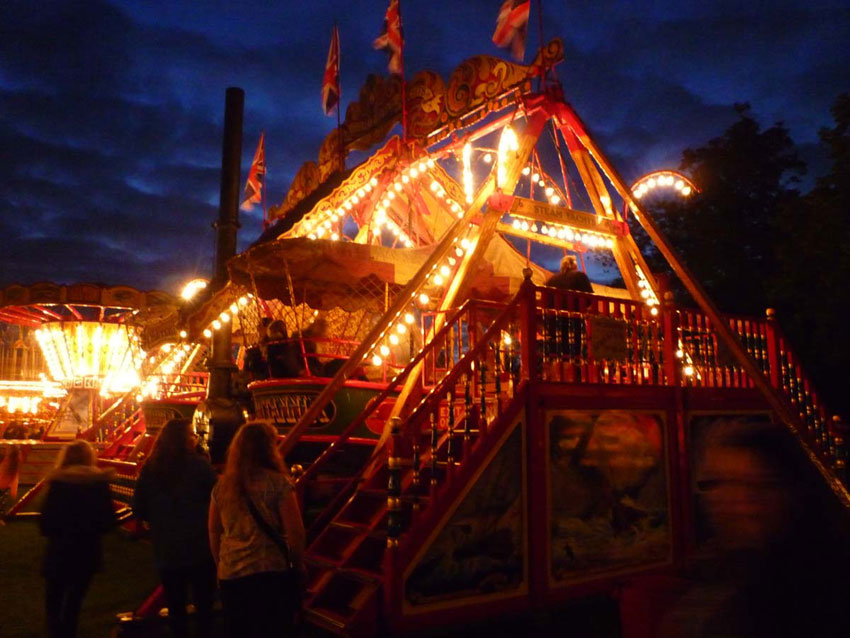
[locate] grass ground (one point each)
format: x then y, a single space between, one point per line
128 577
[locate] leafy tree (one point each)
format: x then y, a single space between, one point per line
813 259
726 233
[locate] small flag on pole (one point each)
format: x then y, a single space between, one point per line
330 83
391 39
256 176
511 26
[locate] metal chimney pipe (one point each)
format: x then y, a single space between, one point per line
221 361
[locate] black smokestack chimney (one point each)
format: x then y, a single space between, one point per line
221 412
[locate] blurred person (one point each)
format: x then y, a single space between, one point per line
173 495
257 537
569 277
10 470
776 563
77 511
283 362
256 364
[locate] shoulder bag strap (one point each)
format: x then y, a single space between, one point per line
269 530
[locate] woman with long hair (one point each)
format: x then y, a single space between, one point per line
77 511
173 495
257 536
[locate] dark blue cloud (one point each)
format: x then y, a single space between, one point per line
110 112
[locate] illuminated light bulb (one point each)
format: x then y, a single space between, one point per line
452 261
689 371
216 324
435 186
679 185
524 225
234 308
311 236
487 158
152 359
544 230
390 195
651 182
464 243
334 237
638 193
327 223
555 200
533 228
207 333
553 232
422 167
394 340
186 348
438 280
347 205
562 233
508 341
569 234
424 299
355 199
516 224
579 238
183 334
644 293
654 312
376 360
609 243
541 183
430 163
679 353
413 172
397 187
401 328
445 271
686 191
409 318
549 191
459 252
385 350
405 179
373 181
224 317
535 177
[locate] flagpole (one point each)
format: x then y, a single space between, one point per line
264 185
540 44
340 145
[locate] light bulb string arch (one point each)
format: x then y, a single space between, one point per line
662 178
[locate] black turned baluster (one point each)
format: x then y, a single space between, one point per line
450 451
483 390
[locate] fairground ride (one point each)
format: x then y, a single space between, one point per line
448 413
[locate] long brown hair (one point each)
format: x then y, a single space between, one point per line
170 452
253 449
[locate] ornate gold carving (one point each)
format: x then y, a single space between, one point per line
426 98
377 109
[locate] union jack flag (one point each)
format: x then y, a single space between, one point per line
330 83
256 176
511 26
391 39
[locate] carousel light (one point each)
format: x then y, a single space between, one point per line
555 200
549 191
424 299
609 243
487 158
422 166
465 243
452 261
166 348
459 252
234 308
653 311
376 360
680 353
394 340
192 288
413 172
541 183
430 162
390 195
686 191
373 181
355 199
524 225
535 177
526 170
385 351
409 318
507 339
516 224
207 333
651 182
334 237
224 317
689 370
401 328
445 271
397 187
405 179
152 359
508 143
216 324
438 280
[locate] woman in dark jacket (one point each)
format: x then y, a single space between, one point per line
77 511
173 495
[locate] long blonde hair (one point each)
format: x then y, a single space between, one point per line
253 449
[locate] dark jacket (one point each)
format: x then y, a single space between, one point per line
177 513
77 511
571 280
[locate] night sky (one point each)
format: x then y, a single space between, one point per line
111 112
